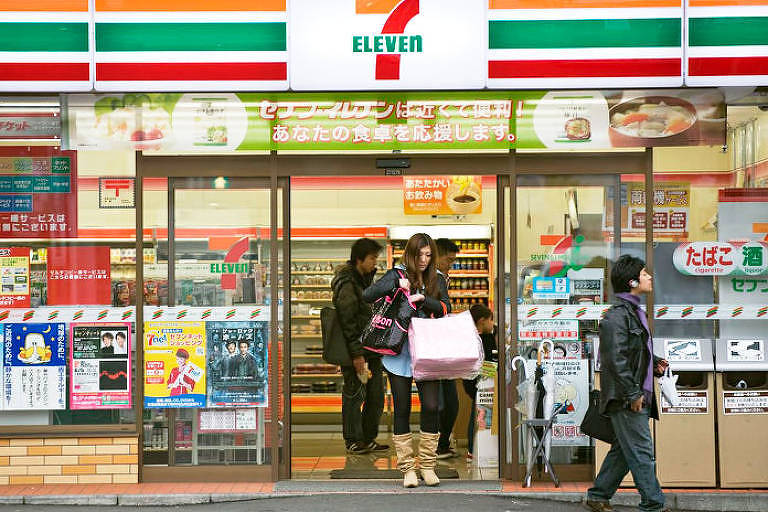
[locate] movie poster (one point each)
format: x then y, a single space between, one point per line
100 366
34 366
237 364
174 364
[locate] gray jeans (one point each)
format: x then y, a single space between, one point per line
362 405
632 451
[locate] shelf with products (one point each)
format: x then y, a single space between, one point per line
471 279
313 264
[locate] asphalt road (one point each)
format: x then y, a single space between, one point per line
346 502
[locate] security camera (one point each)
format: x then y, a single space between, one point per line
724 148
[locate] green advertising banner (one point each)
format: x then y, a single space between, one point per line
291 122
460 121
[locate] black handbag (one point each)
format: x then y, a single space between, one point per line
596 424
335 350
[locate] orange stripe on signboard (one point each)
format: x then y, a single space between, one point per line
44 5
726 3
760 227
375 6
579 4
547 240
189 5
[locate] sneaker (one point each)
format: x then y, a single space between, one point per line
376 447
598 506
446 453
358 448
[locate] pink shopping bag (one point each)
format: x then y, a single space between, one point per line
445 348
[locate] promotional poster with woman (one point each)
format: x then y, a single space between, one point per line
174 364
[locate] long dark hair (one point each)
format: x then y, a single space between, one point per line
410 259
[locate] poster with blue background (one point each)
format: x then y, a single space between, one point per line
34 366
237 364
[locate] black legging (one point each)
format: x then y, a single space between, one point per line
429 393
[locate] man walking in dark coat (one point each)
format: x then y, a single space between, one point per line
627 368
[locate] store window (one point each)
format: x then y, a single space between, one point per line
210 364
711 294
570 228
68 262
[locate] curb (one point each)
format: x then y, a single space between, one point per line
684 501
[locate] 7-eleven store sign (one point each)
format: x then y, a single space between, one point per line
386 44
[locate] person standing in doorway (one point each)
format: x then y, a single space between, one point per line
417 273
449 397
361 403
483 318
628 366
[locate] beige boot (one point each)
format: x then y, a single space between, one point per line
428 458
405 461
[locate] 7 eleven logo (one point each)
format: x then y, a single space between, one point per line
391 43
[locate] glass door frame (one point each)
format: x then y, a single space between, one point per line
573 164
247 171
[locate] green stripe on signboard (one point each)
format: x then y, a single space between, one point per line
728 31
148 37
43 37
584 33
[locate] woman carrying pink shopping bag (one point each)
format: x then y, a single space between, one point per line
428 294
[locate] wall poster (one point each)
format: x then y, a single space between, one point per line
174 364
100 366
14 272
34 366
237 364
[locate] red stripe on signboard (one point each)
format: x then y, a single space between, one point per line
44 71
400 17
583 68
723 66
388 66
191 71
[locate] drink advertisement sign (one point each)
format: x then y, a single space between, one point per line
174 364
442 195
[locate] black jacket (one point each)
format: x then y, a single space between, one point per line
352 311
623 358
429 307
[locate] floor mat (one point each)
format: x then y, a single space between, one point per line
386 474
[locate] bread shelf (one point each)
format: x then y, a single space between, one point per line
306 356
305 317
306 336
315 375
295 299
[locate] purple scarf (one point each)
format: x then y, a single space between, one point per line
641 315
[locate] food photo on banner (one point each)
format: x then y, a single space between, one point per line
237 364
100 366
174 364
34 366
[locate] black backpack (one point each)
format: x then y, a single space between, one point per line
335 349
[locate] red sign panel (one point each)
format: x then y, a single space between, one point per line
78 276
14 273
38 193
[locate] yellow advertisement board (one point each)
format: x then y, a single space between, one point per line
174 364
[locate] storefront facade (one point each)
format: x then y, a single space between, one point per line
187 363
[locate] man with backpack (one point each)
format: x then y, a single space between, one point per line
362 399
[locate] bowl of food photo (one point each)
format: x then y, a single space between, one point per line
649 121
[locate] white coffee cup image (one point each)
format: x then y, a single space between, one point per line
463 197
